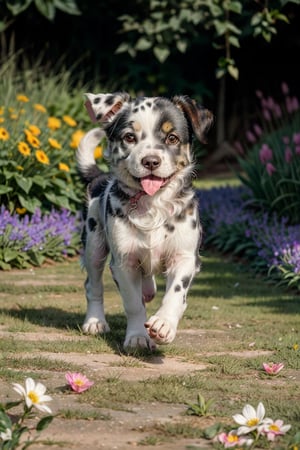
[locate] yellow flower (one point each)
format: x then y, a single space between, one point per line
22 98
295 347
19 168
33 140
14 116
64 167
34 130
2 109
42 157
21 210
2 119
98 152
54 123
54 143
4 134
76 138
69 121
39 107
24 148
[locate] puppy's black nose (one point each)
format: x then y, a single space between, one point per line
151 162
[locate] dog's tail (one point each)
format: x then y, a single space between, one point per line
86 163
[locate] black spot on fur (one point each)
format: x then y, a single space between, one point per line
177 288
186 281
110 100
99 116
194 224
92 224
170 227
96 100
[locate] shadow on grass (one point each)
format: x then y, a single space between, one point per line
63 320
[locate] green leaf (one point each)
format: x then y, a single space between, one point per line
67 6
40 181
30 203
233 71
44 423
9 254
46 8
143 44
161 53
181 46
5 189
17 6
24 183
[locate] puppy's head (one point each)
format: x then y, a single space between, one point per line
149 138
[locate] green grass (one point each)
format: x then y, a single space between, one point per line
234 322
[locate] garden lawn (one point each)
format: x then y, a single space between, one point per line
233 324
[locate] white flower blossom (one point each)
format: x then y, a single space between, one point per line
251 419
33 394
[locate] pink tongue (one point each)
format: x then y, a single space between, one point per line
151 184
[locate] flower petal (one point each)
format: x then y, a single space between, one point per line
261 411
249 412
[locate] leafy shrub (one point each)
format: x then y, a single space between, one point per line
271 246
35 150
271 167
37 158
26 241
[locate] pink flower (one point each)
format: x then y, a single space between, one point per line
78 382
297 149
296 138
232 439
285 88
270 169
257 130
265 154
288 155
239 147
250 136
274 428
267 115
273 369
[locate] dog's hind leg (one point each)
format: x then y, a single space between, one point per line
94 257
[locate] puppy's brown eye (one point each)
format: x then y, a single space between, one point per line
129 138
172 139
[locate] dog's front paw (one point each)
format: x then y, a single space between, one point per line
95 326
161 330
139 343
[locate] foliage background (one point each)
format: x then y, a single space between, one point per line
88 42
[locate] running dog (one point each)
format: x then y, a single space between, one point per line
144 213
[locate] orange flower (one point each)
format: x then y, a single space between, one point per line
39 107
42 157
54 123
22 98
21 210
34 130
76 138
69 121
4 134
64 167
33 140
24 148
98 152
54 143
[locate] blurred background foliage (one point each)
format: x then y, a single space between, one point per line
218 51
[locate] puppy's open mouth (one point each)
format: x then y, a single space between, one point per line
151 184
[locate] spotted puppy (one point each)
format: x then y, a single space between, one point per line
144 212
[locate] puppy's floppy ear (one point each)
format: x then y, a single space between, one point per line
103 107
199 118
